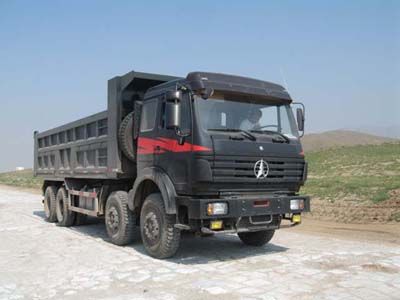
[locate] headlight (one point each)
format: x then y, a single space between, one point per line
217 208
297 204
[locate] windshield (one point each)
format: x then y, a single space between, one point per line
223 114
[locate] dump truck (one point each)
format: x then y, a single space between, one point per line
206 153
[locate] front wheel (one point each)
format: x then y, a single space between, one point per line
160 237
120 221
257 238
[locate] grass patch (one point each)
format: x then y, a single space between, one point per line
359 173
21 178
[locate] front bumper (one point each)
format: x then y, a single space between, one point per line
243 206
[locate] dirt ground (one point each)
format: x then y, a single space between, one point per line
316 260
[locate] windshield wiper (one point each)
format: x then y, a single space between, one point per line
271 132
245 133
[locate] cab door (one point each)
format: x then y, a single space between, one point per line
175 153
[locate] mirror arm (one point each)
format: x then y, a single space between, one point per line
181 136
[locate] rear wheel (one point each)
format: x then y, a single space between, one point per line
257 238
120 221
65 217
160 237
50 204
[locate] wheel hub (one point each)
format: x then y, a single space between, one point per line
151 227
113 219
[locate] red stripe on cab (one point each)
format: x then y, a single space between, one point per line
148 146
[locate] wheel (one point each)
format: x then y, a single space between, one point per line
65 217
125 137
160 237
50 204
257 238
120 221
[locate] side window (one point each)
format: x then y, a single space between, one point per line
163 117
148 116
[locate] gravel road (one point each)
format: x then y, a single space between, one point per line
39 260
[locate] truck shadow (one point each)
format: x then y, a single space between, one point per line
193 249
218 248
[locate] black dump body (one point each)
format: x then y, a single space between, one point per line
88 148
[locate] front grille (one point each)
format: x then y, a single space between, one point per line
240 169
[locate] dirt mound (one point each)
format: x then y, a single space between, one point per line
358 212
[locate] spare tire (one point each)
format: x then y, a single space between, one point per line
125 137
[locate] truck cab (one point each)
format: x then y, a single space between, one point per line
229 150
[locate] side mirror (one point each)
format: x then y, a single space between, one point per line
300 119
173 115
173 109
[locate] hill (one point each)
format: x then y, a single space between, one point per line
340 138
355 184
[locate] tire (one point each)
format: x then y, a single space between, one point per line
49 204
160 237
125 137
257 238
120 221
65 217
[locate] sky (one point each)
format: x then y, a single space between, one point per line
340 58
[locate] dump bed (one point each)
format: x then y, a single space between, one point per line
88 148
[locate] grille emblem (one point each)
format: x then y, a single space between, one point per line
261 169
261 148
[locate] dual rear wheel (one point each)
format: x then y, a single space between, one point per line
56 208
